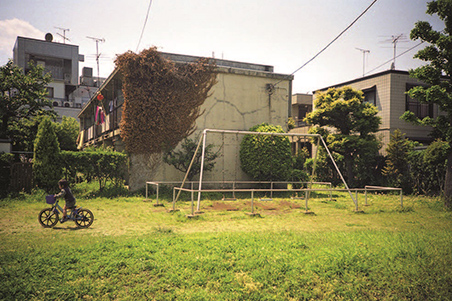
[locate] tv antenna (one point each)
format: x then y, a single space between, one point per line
64 34
97 40
364 51
394 40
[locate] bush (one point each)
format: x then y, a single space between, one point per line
266 158
101 164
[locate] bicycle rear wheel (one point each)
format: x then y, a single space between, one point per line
84 218
48 218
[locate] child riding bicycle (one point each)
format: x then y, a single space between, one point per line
68 197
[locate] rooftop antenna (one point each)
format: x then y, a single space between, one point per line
64 34
364 51
97 40
394 40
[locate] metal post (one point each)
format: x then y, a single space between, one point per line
252 201
340 174
365 195
157 197
146 191
204 135
189 167
401 197
174 198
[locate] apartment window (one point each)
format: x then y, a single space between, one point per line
370 95
50 92
420 110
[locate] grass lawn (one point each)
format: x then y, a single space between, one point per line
135 251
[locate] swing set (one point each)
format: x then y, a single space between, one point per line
232 187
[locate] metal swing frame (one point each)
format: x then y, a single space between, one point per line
203 139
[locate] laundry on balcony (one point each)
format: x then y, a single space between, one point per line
99 118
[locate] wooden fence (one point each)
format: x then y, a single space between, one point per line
21 177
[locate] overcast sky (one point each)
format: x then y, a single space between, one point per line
284 33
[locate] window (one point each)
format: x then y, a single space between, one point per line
420 110
370 95
50 92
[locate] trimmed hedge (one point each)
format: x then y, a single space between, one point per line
95 164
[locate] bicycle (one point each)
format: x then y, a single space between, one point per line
49 217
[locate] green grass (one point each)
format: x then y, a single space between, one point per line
135 251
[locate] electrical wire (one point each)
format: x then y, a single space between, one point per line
394 58
330 43
144 25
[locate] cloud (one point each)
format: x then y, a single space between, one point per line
9 31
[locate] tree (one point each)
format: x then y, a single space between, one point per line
264 157
182 158
67 132
47 168
348 124
397 168
437 74
22 98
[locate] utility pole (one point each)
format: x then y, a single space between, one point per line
364 51
64 33
97 40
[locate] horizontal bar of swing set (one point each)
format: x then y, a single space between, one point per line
203 141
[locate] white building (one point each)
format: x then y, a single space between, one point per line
62 61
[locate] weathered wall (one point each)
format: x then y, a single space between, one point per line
238 101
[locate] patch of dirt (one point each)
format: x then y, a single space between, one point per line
275 207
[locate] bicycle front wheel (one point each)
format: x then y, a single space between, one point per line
48 218
84 218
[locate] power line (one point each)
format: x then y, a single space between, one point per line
330 43
394 58
144 25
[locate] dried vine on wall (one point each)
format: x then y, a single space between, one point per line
162 99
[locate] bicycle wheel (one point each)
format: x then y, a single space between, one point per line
48 218
84 218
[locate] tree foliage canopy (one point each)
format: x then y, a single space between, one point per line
46 162
437 74
347 123
162 99
22 97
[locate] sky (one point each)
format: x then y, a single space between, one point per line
284 34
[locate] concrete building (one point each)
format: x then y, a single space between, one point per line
244 96
62 61
387 91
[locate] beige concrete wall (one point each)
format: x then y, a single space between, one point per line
238 101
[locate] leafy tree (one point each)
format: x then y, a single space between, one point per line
264 157
397 168
437 74
22 98
348 125
46 162
182 158
67 132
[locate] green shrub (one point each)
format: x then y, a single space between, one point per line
266 158
101 164
46 162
